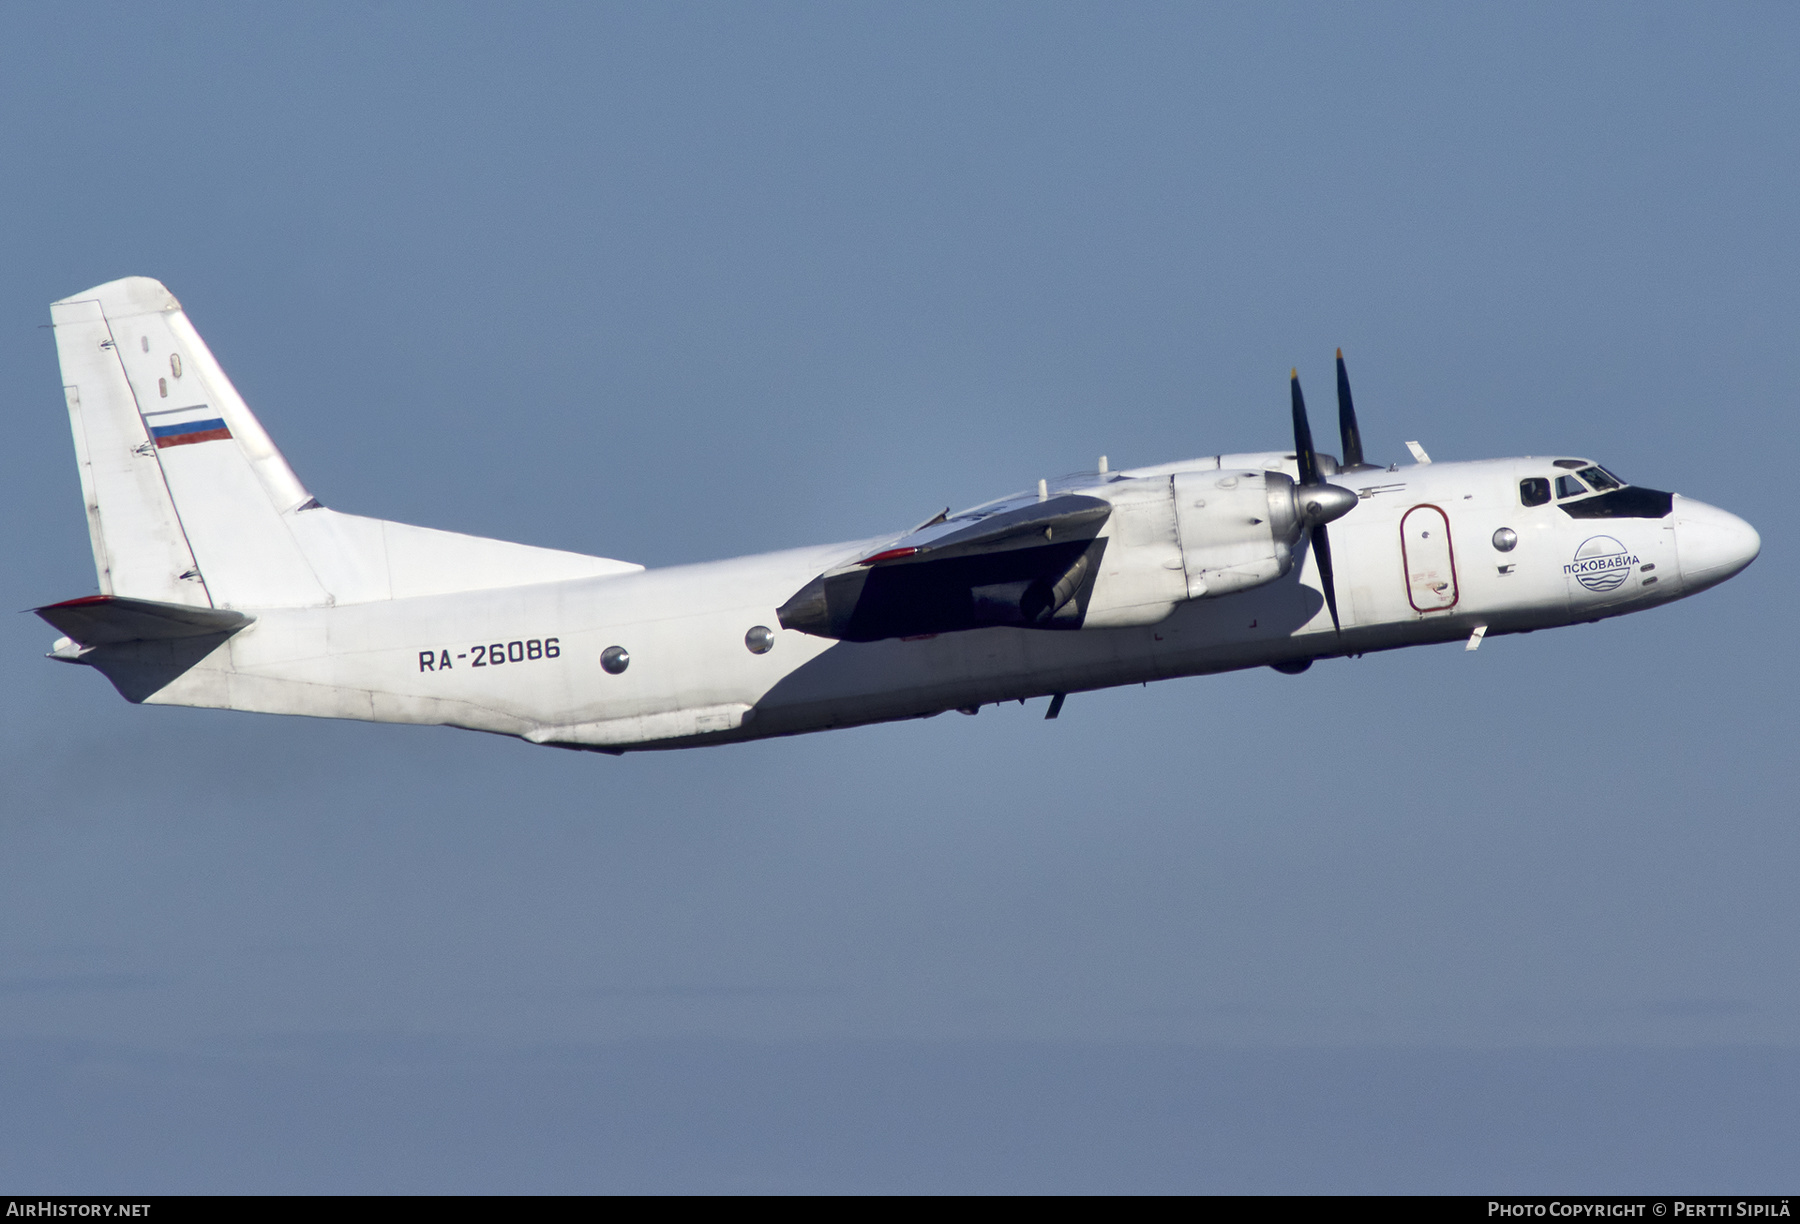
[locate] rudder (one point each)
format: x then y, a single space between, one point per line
140 549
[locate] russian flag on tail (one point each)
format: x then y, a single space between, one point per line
183 426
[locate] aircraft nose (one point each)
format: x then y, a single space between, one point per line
1712 544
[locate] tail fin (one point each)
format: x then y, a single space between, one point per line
189 502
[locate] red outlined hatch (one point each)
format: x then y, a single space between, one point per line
1429 558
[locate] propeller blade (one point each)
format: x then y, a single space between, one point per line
1321 544
1315 501
1353 455
1303 444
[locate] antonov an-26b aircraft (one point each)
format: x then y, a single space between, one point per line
224 583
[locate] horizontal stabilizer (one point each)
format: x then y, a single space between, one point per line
105 620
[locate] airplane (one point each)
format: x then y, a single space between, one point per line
224 583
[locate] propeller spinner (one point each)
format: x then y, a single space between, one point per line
1316 502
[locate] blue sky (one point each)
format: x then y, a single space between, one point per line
677 282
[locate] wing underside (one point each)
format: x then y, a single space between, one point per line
1024 563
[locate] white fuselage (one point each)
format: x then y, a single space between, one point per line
1416 563
223 582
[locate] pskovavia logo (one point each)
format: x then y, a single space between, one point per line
1601 563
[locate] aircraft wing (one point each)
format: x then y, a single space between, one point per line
1019 562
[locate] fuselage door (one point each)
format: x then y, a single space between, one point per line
1429 558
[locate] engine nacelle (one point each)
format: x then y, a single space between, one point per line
1238 529
1195 535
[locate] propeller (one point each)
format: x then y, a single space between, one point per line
1353 455
1315 502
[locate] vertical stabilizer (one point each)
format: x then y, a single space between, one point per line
190 503
164 399
159 404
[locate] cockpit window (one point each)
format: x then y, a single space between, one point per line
1568 486
1599 479
1534 491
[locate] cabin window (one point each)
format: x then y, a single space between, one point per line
1534 491
1568 486
1599 479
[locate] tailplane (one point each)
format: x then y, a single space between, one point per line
190 503
110 620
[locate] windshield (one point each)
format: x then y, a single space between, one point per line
1568 486
1599 479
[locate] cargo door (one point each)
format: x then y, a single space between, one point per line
1429 558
